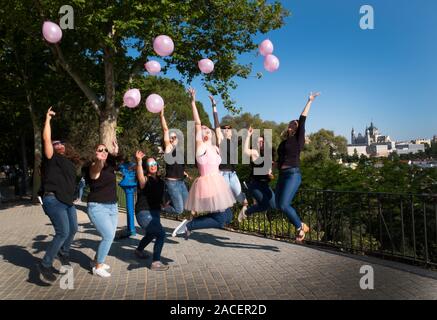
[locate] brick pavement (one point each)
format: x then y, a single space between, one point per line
213 264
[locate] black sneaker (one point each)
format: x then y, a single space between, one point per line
47 273
64 259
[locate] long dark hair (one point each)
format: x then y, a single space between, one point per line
72 155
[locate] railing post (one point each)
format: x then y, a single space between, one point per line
426 233
402 227
414 227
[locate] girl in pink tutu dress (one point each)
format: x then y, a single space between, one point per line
209 193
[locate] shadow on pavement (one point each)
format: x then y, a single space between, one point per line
20 257
207 238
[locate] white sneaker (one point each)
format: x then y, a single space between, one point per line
242 214
101 272
104 265
180 229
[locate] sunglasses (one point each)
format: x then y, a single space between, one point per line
151 164
101 150
173 137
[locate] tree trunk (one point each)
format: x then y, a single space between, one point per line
37 146
108 118
108 124
23 183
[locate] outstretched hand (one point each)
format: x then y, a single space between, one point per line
212 101
50 114
115 145
313 96
192 93
250 131
139 155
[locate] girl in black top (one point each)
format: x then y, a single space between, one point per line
174 172
58 186
102 203
259 181
148 208
289 173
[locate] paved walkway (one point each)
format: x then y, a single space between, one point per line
213 264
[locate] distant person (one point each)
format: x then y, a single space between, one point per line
80 187
59 183
289 172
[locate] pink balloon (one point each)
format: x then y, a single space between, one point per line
154 103
51 32
206 65
153 67
163 45
132 98
271 63
266 47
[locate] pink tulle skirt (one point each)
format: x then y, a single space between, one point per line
210 193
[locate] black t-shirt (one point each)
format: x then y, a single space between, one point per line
226 164
151 196
59 177
265 176
176 170
289 149
104 188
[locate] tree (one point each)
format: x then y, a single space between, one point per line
324 145
111 41
29 83
243 121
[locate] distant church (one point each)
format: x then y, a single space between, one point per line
371 143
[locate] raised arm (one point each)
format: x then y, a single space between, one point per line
47 134
97 166
200 146
139 155
250 152
165 133
311 98
218 131
114 152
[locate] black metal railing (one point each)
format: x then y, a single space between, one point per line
389 225
399 226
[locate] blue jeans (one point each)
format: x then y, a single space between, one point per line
212 220
178 193
64 220
264 196
150 221
104 216
288 182
234 183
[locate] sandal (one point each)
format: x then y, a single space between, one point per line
301 232
158 266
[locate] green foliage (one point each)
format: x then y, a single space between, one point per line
323 146
218 29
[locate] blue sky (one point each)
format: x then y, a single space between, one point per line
388 75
